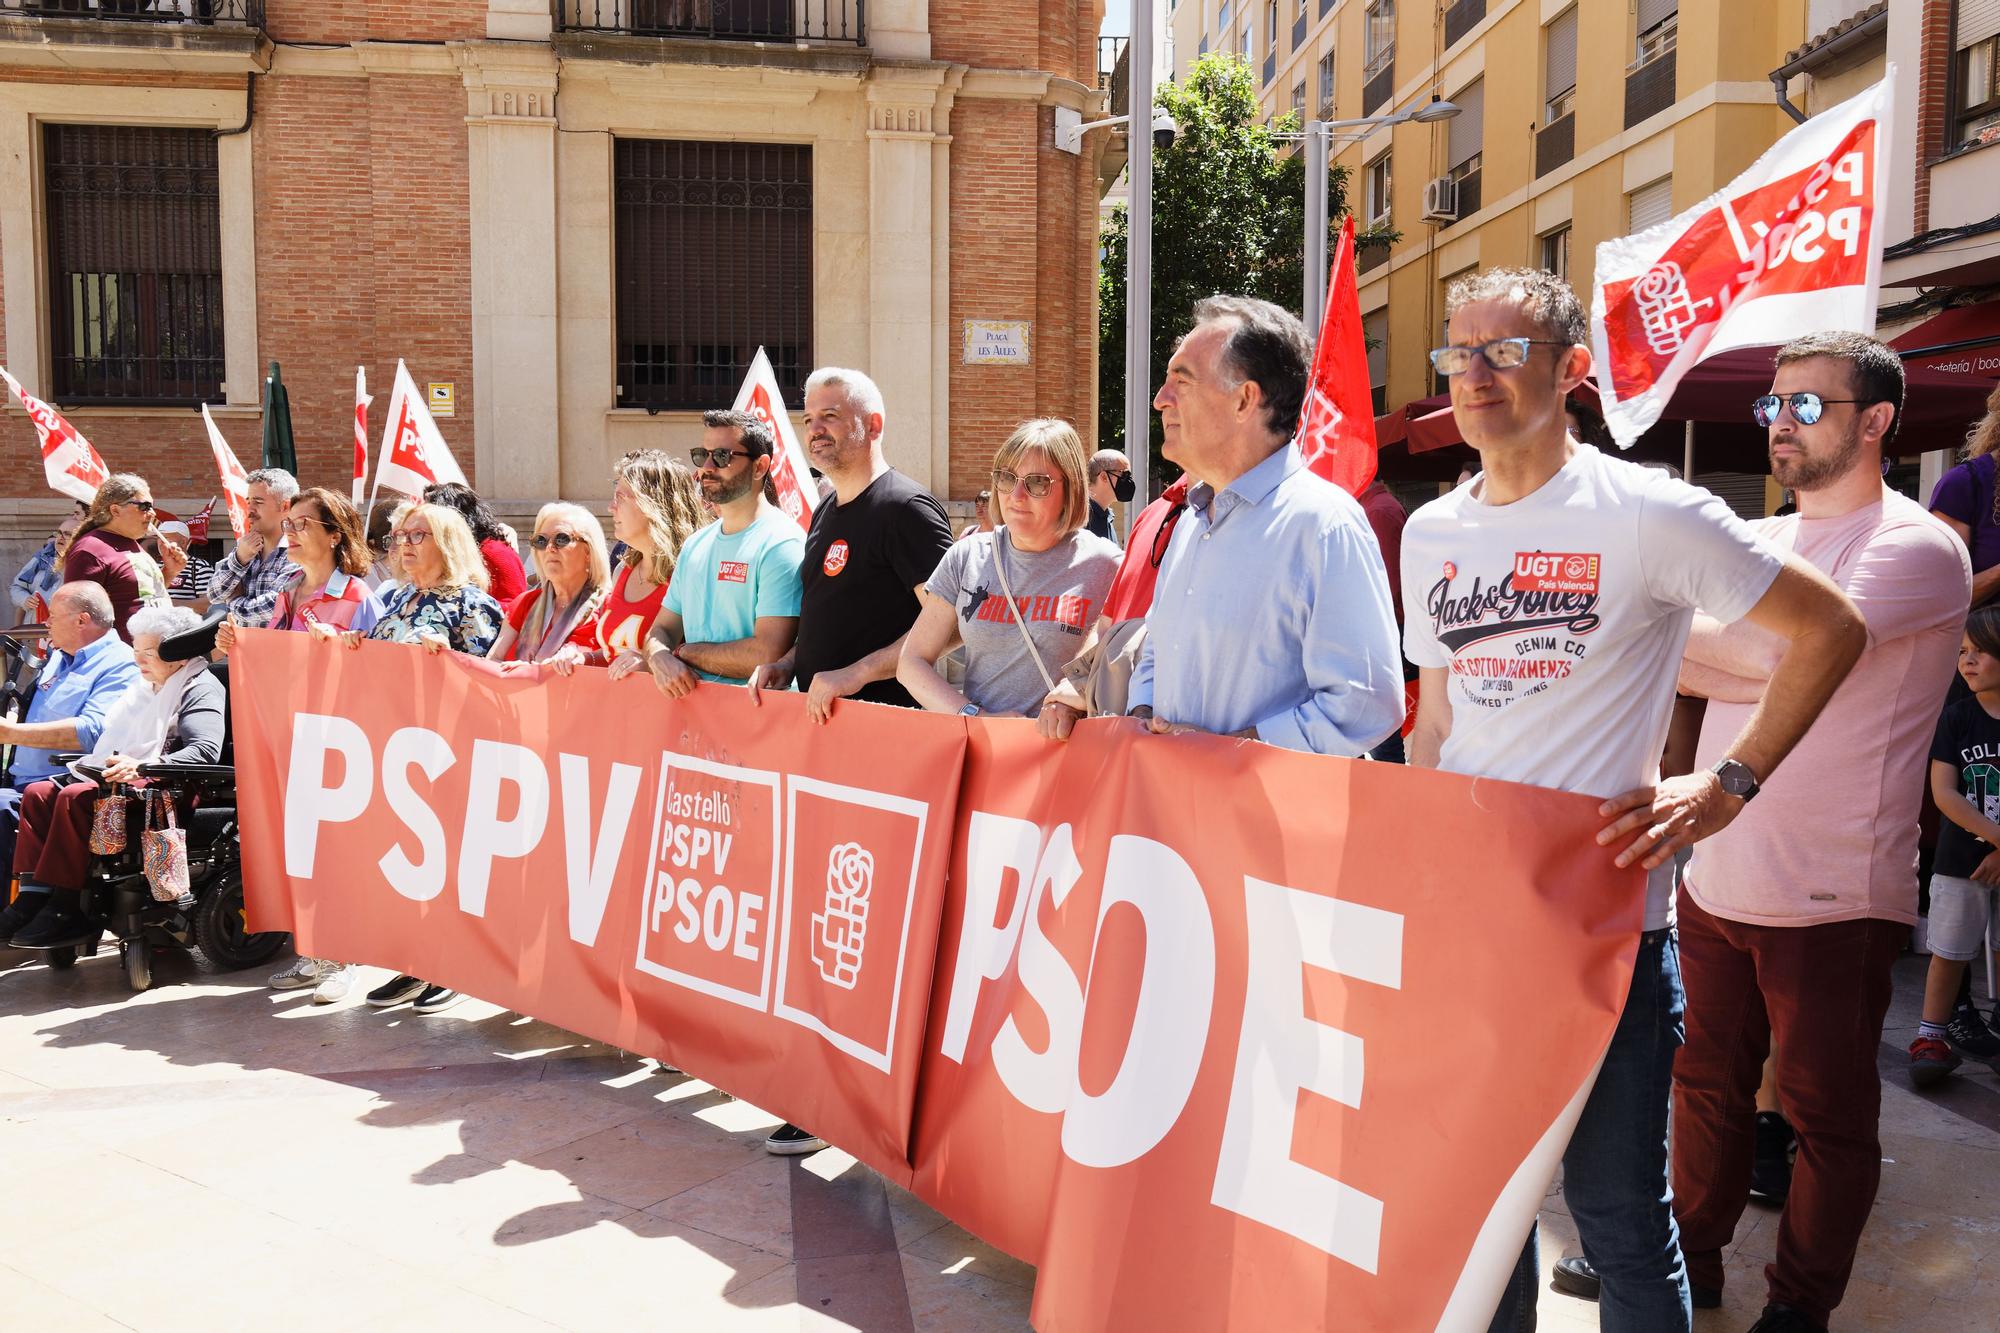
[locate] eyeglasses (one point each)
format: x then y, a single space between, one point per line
296 526
408 538
1037 483
719 457
1500 354
1807 408
542 542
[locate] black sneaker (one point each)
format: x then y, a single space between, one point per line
20 912
1966 1031
436 999
791 1141
396 990
1785 1319
1771 1168
1573 1276
58 922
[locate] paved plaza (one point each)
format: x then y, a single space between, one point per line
214 1155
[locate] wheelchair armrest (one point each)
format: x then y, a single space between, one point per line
192 772
66 756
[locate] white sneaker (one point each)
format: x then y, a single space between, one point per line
302 973
335 984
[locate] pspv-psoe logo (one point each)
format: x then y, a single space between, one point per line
786 895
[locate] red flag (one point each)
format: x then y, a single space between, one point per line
361 401
198 525
72 466
1337 425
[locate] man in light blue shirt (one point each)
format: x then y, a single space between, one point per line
1271 619
88 668
734 600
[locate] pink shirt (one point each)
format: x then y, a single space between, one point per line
1833 835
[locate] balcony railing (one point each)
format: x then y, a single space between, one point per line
1462 18
1299 30
1270 65
833 21
1555 144
207 13
1649 88
1468 194
1381 86
1370 255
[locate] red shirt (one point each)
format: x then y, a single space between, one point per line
1131 595
506 580
583 633
1386 517
105 558
623 624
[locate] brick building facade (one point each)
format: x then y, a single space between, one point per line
448 181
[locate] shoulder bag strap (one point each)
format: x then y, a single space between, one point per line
1014 610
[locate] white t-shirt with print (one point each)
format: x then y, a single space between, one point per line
1562 618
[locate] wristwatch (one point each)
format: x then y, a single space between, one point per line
1737 779
970 710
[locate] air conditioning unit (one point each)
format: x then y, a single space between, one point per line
1441 200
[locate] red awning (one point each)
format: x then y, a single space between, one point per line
1964 341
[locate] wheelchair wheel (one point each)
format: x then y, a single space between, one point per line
220 932
138 964
62 959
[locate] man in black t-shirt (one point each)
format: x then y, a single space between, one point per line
872 548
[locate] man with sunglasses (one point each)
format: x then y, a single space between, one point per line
733 603
1271 616
1111 484
1792 916
1547 602
258 567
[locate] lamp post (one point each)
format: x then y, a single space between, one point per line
1317 138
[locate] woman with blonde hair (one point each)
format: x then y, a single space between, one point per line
655 508
1022 597
442 601
556 620
105 549
1967 498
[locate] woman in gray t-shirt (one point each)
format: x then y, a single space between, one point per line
1038 580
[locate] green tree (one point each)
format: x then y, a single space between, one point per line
1228 216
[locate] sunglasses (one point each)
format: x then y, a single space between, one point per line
408 538
1037 483
561 541
1807 408
1500 354
146 505
717 457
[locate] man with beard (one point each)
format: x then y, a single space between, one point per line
733 603
1791 917
1548 601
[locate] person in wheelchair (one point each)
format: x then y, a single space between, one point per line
88 668
173 714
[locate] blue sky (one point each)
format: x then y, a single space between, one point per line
1118 18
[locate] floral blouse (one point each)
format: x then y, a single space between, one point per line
465 618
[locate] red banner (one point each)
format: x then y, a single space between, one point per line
1159 1015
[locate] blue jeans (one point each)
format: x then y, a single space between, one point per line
1615 1168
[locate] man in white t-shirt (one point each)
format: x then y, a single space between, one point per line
1546 603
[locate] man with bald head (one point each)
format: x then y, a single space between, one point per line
88 667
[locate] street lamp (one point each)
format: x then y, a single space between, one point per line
1317 138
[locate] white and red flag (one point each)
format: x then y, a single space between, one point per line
414 454
1337 423
361 401
72 466
235 481
761 397
198 525
1791 246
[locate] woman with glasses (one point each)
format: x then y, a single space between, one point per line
655 508
105 550
1022 597
556 620
323 535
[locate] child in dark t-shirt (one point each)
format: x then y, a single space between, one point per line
1965 781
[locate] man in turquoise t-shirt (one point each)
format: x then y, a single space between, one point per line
734 599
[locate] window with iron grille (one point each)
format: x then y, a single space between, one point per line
135 264
714 259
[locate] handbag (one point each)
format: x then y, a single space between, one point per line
165 851
107 824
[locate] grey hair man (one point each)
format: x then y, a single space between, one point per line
249 578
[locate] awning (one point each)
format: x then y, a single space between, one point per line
1964 341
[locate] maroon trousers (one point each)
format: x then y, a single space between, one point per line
1822 992
53 844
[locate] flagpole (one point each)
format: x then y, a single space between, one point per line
1139 261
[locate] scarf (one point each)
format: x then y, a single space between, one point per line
138 721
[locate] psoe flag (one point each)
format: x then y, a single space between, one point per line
1791 246
761 397
235 481
414 454
72 466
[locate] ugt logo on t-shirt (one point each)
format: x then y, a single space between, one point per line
836 558
1555 571
733 571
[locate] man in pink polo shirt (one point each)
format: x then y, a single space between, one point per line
1791 916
